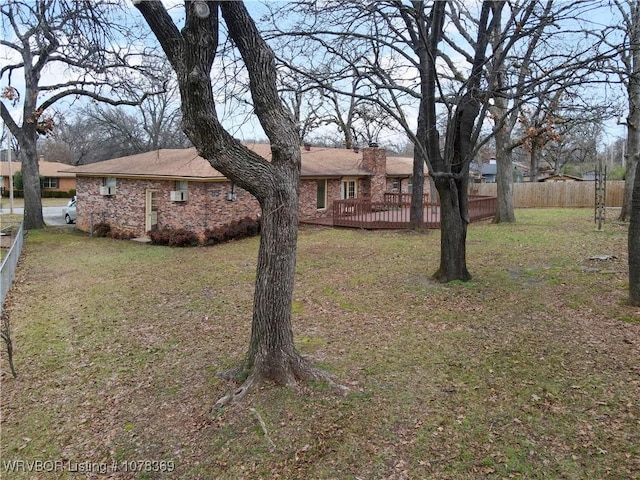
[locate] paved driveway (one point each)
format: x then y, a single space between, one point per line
52 215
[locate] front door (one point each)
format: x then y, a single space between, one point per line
151 211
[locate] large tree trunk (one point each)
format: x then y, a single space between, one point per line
504 179
632 155
416 211
633 98
533 161
275 183
453 230
272 355
33 218
634 244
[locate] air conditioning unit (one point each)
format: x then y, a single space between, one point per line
107 191
179 196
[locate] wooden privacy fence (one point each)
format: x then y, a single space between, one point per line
394 212
555 194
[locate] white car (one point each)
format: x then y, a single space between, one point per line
69 212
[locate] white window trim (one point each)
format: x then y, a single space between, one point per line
346 180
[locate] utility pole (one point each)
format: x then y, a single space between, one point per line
4 129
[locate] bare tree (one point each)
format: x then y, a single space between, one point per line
77 36
630 59
634 245
624 38
577 145
192 52
393 50
506 101
550 59
302 98
98 132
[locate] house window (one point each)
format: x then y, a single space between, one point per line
321 194
410 186
109 182
349 189
395 184
50 182
182 185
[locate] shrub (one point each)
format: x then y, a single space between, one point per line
159 236
173 237
54 194
616 172
183 238
17 181
16 193
213 236
243 228
101 229
121 234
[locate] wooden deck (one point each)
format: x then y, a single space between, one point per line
395 214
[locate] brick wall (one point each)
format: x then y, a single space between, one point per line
375 160
206 207
309 197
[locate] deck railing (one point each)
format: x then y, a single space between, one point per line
394 212
402 198
481 207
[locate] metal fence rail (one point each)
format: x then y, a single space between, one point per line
10 260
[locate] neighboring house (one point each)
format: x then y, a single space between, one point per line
483 172
54 178
179 189
487 172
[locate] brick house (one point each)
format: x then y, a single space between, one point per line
179 189
54 176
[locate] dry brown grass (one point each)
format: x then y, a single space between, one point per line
528 371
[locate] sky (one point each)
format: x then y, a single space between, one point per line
241 124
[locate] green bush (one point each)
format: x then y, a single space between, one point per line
44 194
16 193
616 172
54 194
18 184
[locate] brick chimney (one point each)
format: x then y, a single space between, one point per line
375 160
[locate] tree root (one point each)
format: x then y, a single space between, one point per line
299 371
236 395
264 428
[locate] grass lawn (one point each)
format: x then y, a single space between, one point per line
531 370
46 202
